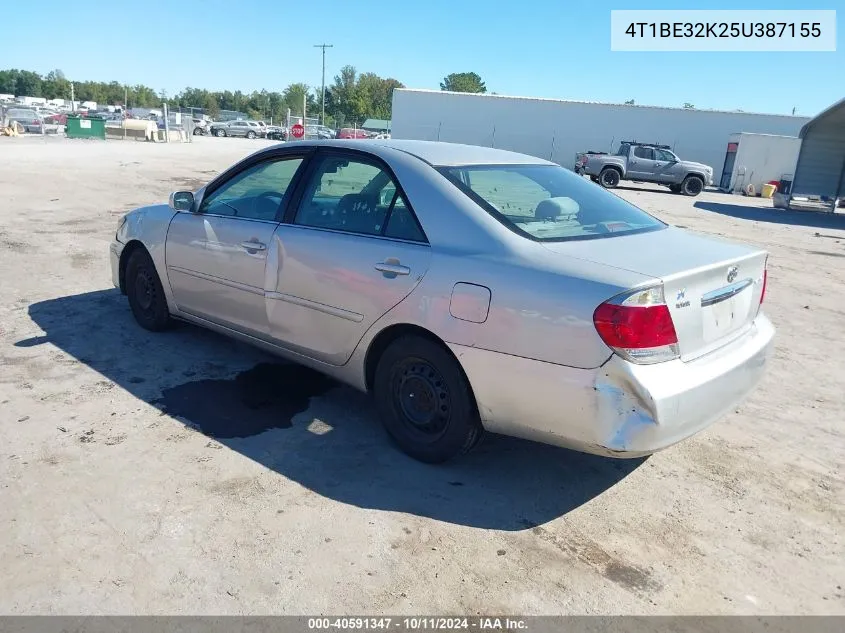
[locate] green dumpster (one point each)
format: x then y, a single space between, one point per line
78 127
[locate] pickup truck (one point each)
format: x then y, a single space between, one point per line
645 162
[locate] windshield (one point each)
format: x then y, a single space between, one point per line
549 203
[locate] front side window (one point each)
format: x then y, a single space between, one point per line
356 196
548 202
662 154
255 193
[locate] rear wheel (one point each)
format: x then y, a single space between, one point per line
145 293
425 401
692 186
221 132
250 134
609 177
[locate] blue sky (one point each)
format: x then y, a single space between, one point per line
543 48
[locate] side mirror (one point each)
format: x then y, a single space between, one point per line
181 200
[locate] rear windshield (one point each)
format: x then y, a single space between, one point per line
549 203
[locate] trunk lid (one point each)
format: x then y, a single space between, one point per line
712 286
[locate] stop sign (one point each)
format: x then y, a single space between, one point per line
297 130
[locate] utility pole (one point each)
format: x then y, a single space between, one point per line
324 47
72 100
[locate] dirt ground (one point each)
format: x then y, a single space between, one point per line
133 480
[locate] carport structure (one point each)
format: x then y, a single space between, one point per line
821 162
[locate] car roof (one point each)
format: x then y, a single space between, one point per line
436 153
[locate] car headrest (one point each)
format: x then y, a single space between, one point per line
553 208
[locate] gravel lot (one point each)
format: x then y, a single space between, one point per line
110 502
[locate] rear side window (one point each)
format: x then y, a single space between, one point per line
549 203
356 196
644 152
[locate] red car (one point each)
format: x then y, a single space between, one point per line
349 132
56 119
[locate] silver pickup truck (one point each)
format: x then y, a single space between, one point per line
645 162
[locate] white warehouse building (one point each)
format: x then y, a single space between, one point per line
556 130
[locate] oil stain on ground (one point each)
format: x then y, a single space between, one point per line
268 396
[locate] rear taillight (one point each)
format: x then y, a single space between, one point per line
765 280
36 122
584 160
637 326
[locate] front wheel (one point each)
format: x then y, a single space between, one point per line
145 293
609 177
692 186
425 401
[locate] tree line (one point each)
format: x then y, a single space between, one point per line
350 99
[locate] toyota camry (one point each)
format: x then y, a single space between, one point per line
465 288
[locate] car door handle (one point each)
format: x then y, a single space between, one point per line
657 165
253 246
393 268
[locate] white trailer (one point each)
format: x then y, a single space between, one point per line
752 160
556 130
31 101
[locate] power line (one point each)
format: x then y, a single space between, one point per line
324 47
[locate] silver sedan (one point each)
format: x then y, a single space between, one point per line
465 288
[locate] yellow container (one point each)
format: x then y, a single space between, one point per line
767 191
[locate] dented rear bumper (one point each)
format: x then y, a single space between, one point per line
619 409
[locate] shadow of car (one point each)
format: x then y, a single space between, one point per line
312 430
815 219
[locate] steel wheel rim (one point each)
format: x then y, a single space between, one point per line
421 399
145 290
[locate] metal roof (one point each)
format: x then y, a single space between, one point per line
435 152
377 124
487 95
834 114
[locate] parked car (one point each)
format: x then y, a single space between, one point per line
56 119
466 288
277 133
247 129
30 120
201 126
318 132
349 132
645 162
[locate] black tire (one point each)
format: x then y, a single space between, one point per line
221 133
412 375
145 293
609 177
250 134
197 131
692 186
675 188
